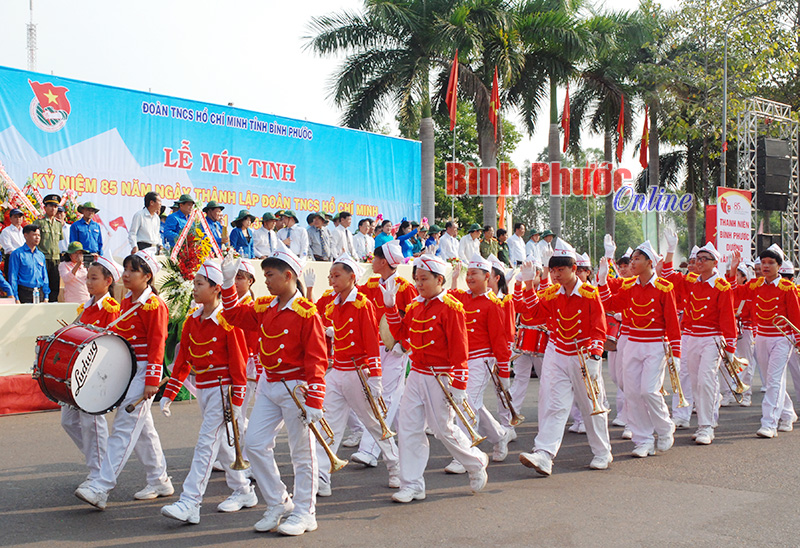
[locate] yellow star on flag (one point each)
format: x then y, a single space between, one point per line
51 97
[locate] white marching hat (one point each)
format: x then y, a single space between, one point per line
151 261
344 258
111 266
786 268
393 253
212 271
775 248
628 253
479 262
245 266
563 249
496 263
745 270
648 250
709 248
431 263
694 251
584 260
286 255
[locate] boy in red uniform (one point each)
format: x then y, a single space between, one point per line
213 351
435 328
576 321
292 349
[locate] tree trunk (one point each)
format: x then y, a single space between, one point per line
691 215
554 155
608 156
653 170
487 150
427 198
704 182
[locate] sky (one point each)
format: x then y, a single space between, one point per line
248 52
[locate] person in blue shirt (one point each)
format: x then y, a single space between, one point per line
5 287
241 238
213 213
175 222
27 271
385 235
87 231
404 236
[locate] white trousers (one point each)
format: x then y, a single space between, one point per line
211 443
793 367
272 409
772 354
424 402
519 386
684 413
560 385
90 434
615 370
393 371
701 360
343 393
477 382
643 378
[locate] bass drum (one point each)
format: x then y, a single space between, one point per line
533 340
612 333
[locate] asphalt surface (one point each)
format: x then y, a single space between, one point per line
740 491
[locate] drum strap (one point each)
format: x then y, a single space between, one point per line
130 311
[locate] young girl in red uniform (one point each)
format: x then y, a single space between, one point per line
90 432
214 351
145 328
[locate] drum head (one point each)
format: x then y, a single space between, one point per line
101 373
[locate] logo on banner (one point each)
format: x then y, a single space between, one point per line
49 107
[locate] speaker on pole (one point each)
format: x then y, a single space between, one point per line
766 240
773 171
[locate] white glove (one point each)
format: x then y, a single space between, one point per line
309 277
672 240
618 316
505 382
510 275
677 362
398 349
609 246
593 368
729 356
602 272
388 293
165 403
375 385
230 267
237 412
329 332
312 414
527 272
547 252
456 270
459 396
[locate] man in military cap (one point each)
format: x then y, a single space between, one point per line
213 212
52 233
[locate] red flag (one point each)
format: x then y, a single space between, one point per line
725 146
52 96
452 92
645 137
565 120
621 128
116 223
494 105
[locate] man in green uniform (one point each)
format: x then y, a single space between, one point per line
52 231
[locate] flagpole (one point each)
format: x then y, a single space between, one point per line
453 198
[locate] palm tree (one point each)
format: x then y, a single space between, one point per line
391 49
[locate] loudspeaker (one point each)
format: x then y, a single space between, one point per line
774 169
769 201
772 147
765 240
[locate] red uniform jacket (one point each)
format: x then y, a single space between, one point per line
436 331
509 316
765 300
100 313
291 339
406 292
487 335
355 333
146 331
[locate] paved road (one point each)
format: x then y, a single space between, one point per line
740 491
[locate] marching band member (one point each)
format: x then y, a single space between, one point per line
583 272
744 346
355 344
768 297
647 303
435 327
786 271
615 356
487 340
90 432
576 321
708 316
146 329
214 351
385 260
292 349
682 416
245 278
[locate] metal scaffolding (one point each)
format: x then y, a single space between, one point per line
31 42
764 118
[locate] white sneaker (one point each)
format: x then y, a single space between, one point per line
217 466
352 440
297 524
763 432
601 463
478 480
323 488
574 427
182 511
394 481
154 491
362 457
705 435
763 389
643 450
665 443
428 431
85 483
785 425
455 467
539 461
627 434
681 423
95 498
512 436
407 494
747 400
582 428
237 501
272 517
727 400
500 449
618 422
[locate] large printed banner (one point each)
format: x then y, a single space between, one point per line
113 145
733 222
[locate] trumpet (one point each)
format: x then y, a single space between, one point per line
233 434
336 462
786 328
503 395
378 406
733 367
461 410
673 375
592 387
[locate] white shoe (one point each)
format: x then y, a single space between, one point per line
85 483
323 488
500 449
785 425
601 463
272 517
95 498
478 480
362 457
154 491
665 443
644 450
763 389
428 431
727 400
407 494
394 481
574 427
582 428
765 432
217 466
512 434
296 525
455 467
352 440
627 434
539 461
237 501
747 401
182 511
681 423
617 422
705 435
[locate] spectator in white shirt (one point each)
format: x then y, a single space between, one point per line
145 230
544 243
293 236
470 243
265 241
363 243
11 237
448 242
531 249
516 245
342 238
